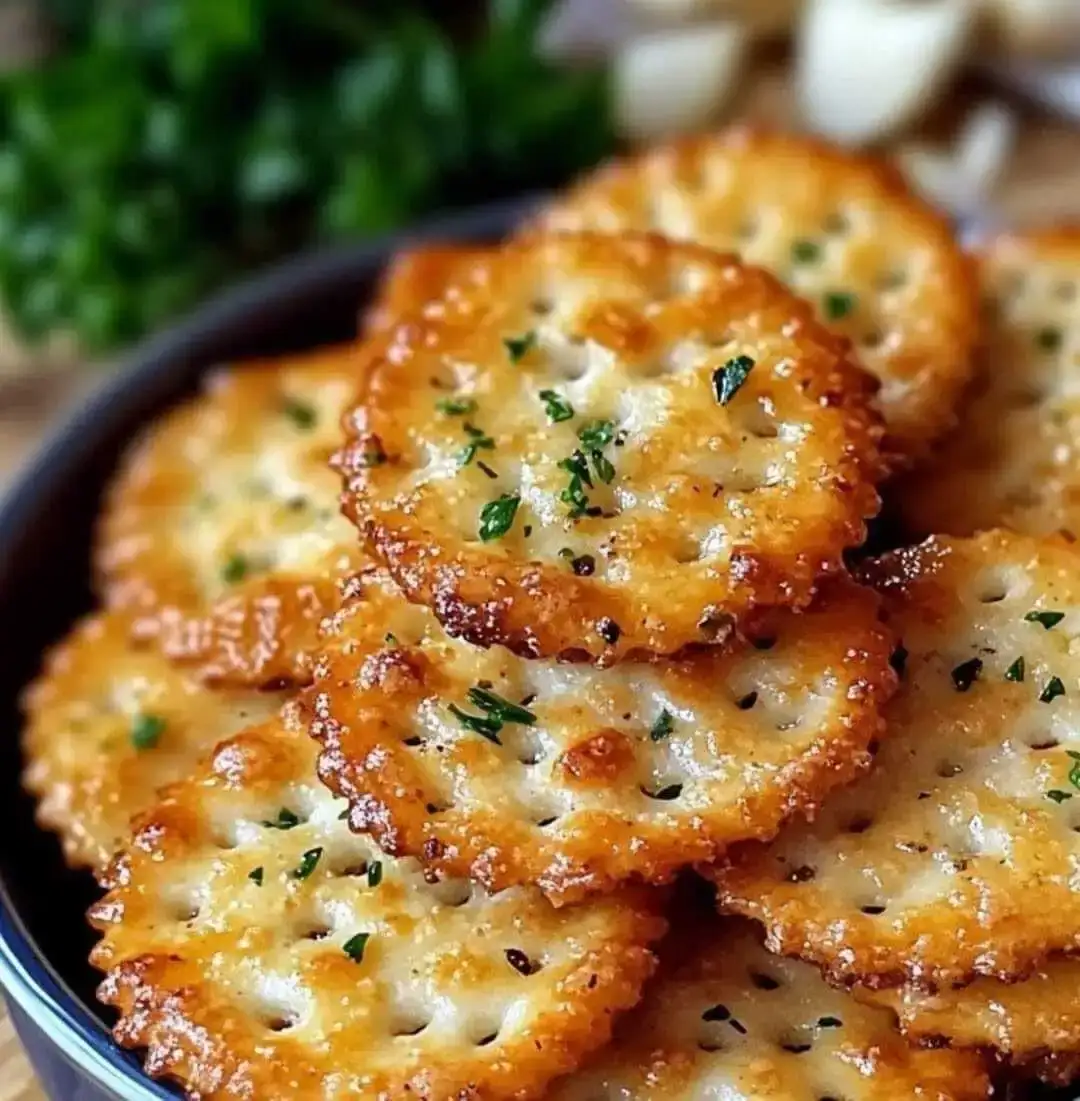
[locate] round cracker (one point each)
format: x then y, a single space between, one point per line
842 230
1034 1024
223 534
107 724
251 940
704 487
725 1019
413 279
1014 461
957 855
592 776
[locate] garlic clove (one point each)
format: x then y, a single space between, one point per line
867 67
676 81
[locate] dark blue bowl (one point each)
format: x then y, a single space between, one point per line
45 528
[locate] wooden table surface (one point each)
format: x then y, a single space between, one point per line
1041 184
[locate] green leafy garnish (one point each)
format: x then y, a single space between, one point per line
605 470
728 380
483 725
301 413
235 569
518 347
256 876
477 439
374 873
456 407
500 708
1016 671
308 862
1048 339
838 305
966 673
355 945
146 730
596 434
1074 769
1058 796
498 711
664 725
497 517
350 119
286 820
805 252
556 406
1047 619
1053 689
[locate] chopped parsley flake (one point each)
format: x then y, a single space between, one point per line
483 725
574 494
605 470
1074 771
664 725
146 731
830 1022
1053 689
285 820
1047 619
966 674
390 638
728 380
355 945
256 876
518 347
597 434
374 873
1016 671
838 305
1058 796
301 413
235 569
805 252
456 407
308 862
1048 339
499 707
497 517
477 439
556 406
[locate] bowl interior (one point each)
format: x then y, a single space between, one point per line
46 528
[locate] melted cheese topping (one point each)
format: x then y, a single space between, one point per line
255 947
576 778
1014 461
725 1019
675 417
109 723
959 855
843 231
222 531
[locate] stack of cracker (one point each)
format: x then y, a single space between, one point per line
506 705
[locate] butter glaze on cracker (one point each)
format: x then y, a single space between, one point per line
956 857
256 948
725 1019
595 776
689 511
222 535
842 230
109 722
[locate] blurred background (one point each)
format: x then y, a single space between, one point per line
152 151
